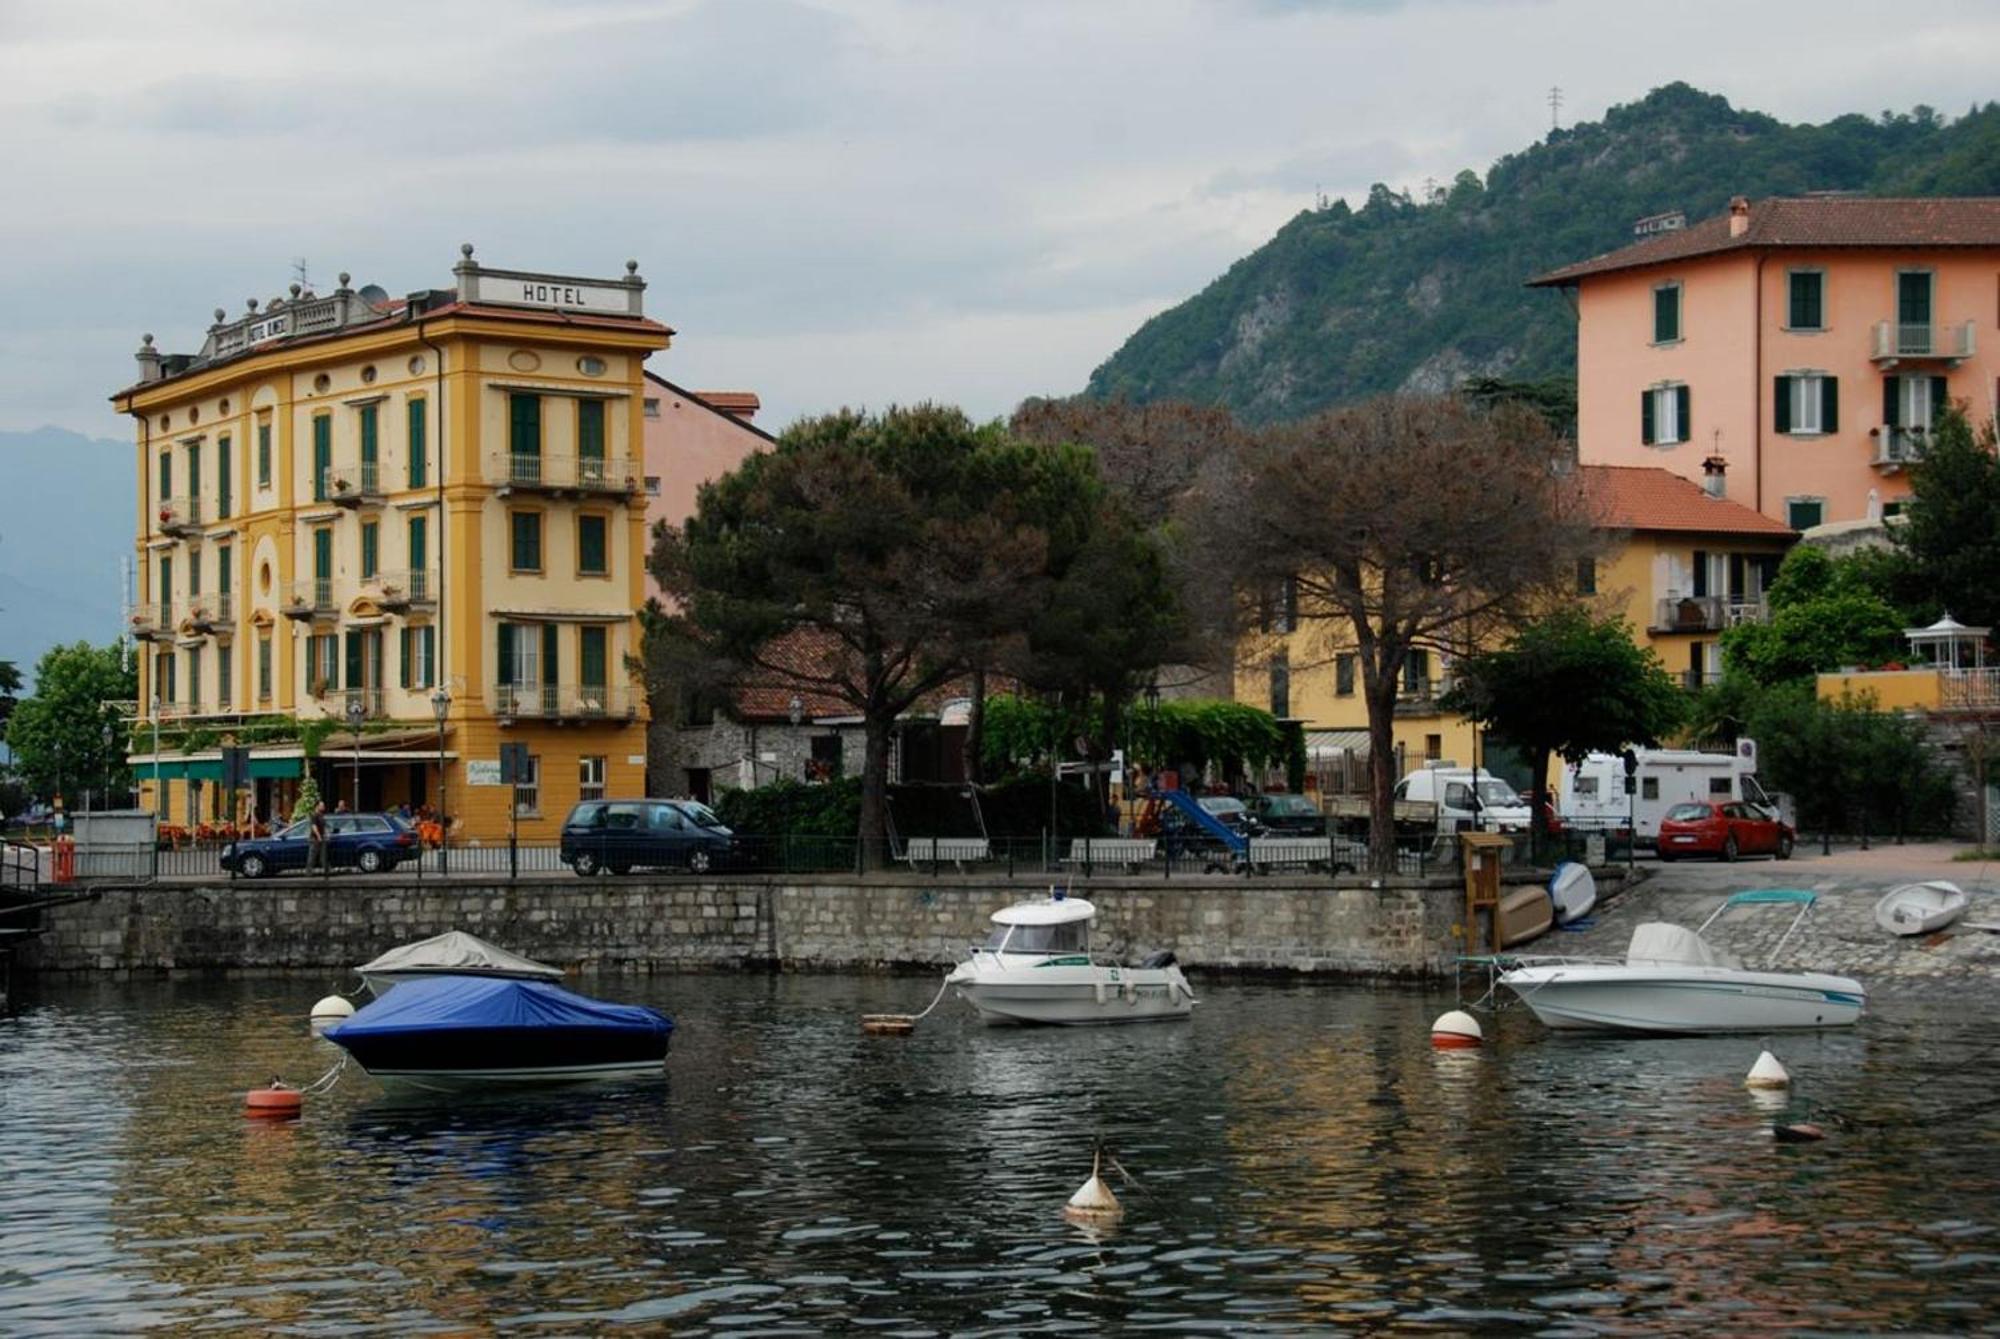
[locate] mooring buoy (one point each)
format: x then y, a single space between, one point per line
1456 1031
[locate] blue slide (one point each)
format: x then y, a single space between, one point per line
1206 821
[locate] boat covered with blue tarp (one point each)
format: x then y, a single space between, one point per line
453 1032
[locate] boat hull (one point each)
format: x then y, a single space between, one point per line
1920 908
449 1059
1684 1000
1078 996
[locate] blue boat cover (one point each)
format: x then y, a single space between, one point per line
445 1003
1763 896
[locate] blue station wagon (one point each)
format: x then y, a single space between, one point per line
371 843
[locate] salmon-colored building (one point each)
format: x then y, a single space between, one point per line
1807 345
691 438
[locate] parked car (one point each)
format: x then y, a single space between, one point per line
1725 830
371 843
1288 815
622 835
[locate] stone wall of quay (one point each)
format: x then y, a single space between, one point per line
1405 928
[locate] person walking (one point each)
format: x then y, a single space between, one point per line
316 838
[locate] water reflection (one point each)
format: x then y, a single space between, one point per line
1302 1157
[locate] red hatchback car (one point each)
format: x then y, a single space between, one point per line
1726 830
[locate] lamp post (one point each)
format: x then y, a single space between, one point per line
795 712
440 706
159 796
356 713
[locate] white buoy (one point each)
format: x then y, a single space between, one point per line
1093 1201
1456 1031
1767 1073
331 1010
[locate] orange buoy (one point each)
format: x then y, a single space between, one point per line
276 1102
1456 1031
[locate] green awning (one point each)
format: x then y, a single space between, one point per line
276 769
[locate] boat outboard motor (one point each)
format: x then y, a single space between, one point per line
1163 958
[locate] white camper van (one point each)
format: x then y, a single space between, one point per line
1593 791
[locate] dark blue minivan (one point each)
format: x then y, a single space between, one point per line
622 835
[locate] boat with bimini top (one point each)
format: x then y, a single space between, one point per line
1037 967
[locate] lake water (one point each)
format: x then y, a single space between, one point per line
1303 1160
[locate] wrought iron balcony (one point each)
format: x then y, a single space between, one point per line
572 476
564 702
210 613
1898 447
399 591
352 704
357 485
1690 613
1695 680
310 598
1420 697
179 516
1897 342
146 621
1969 689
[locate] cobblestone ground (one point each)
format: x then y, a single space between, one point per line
1839 936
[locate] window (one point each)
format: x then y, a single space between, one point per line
194 572
1803 513
419 657
166 476
371 449
593 660
371 549
1806 402
1911 403
590 440
652 485
1913 310
194 679
420 545
652 406
1417 673
194 481
1649 788
528 788
1666 313
590 778
322 463
524 431
1586 787
1434 751
224 578
322 664
224 690
323 567
1718 785
419 447
1343 675
263 455
1664 415
166 583
1586 576
592 558
526 668
826 758
264 667
223 470
1805 309
163 677
526 549
1892 509
1281 686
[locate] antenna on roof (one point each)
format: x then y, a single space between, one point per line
300 273
1555 106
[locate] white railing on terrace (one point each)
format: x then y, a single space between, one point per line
1893 339
1900 446
567 701
591 474
351 483
1970 689
175 514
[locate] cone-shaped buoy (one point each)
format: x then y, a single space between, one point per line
1093 1201
331 1010
1456 1031
1767 1073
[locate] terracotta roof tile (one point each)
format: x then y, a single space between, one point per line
1813 221
1648 498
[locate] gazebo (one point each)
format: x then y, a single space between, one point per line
1949 644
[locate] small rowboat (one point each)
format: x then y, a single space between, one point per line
1919 908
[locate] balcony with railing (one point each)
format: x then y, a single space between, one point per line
567 702
357 704
1896 448
561 476
1969 689
1695 680
146 621
1420 697
356 485
1897 342
179 516
1706 613
209 613
397 592
310 598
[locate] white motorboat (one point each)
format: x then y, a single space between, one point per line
1673 980
1036 967
453 953
1919 908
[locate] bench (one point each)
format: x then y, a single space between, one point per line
1131 852
957 850
1310 851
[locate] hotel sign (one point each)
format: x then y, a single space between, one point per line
556 295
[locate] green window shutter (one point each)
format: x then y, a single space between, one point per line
322 455
1646 433
551 638
371 548
166 475
524 425
1666 314
419 543
1684 414
1781 400
590 429
1892 402
427 672
1829 404
354 670
1913 297
1940 399
590 545
419 445
194 478
527 535
505 662
323 554
263 454
166 581
371 450
224 467
222 574
403 657
591 657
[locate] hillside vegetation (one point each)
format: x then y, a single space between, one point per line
1424 295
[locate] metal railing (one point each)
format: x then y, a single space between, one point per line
1740 612
146 621
1969 689
1690 613
400 590
1421 697
309 596
562 474
1695 680
368 699
565 701
1894 339
351 485
178 515
1900 446
206 613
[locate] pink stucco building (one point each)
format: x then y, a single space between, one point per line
1800 348
691 438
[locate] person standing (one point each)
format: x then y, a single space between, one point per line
316 839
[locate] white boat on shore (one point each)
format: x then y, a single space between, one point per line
1919 908
1036 967
1672 980
453 953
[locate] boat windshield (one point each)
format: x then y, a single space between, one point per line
1072 937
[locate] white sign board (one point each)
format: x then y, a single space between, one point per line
555 295
635 760
482 771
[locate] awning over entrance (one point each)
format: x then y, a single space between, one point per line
1330 743
279 765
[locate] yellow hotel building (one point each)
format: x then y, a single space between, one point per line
418 522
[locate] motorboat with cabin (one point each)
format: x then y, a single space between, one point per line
1672 980
458 1033
453 953
1037 967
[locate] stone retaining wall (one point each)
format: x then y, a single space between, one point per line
1405 928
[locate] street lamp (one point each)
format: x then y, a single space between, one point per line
440 706
357 711
159 796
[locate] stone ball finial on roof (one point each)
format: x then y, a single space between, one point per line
250 303
219 315
147 339
631 267
465 249
297 288
345 278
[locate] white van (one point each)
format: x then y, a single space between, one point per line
1593 791
1465 798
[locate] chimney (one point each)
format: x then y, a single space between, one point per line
1739 216
741 405
1714 477
149 360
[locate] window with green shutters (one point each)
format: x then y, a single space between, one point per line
322 664
524 438
322 462
371 450
419 443
264 667
323 567
194 677
1803 513
590 440
224 468
166 476
194 572
371 549
527 541
421 587
194 481
551 638
223 580
591 658
224 688
592 554
1666 313
263 455
419 647
1806 307
1805 403
166 583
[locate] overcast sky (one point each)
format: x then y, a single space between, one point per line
854 201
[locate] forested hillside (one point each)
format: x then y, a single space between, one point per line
1425 294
